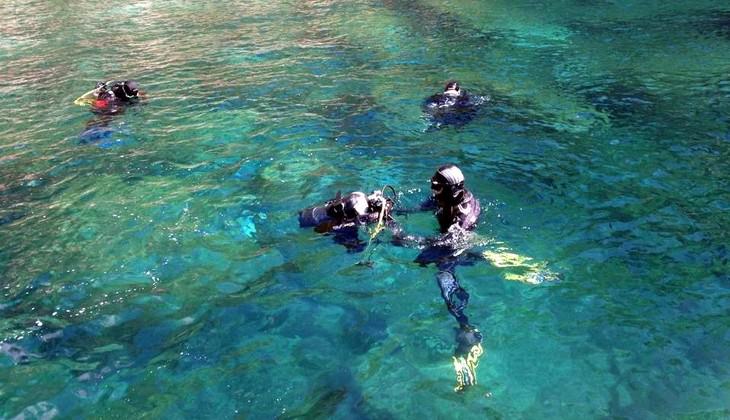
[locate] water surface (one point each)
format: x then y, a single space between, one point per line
152 264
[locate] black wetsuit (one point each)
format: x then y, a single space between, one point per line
442 252
442 100
112 97
454 221
464 214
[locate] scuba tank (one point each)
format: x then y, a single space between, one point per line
336 210
313 216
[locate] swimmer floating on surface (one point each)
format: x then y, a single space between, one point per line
110 97
454 106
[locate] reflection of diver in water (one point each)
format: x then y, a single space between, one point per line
98 130
457 211
106 100
455 106
342 216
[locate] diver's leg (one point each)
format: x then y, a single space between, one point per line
468 338
454 295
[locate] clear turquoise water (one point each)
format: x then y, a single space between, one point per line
155 267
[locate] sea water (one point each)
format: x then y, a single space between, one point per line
152 264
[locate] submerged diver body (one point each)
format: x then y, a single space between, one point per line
454 106
457 211
342 216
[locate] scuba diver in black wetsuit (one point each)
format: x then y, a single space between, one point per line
455 106
457 211
343 215
113 96
106 100
110 97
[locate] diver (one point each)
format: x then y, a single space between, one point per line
110 97
457 212
106 100
454 106
343 215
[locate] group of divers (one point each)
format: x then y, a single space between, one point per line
455 207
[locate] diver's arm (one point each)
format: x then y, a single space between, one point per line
427 205
435 249
401 238
408 241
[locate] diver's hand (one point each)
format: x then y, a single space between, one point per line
456 238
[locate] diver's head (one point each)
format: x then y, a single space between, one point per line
126 90
447 185
350 207
452 88
130 88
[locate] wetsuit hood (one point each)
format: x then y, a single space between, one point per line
131 88
447 184
126 90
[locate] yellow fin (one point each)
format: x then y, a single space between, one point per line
86 99
506 259
521 268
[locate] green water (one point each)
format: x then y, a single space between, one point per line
153 266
